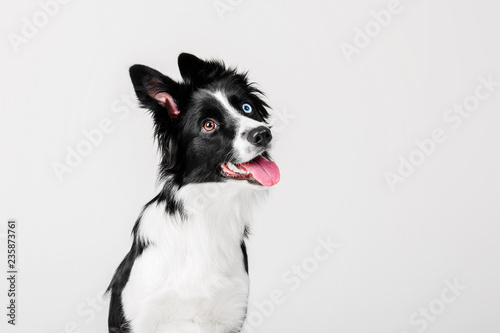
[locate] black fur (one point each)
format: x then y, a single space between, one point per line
245 256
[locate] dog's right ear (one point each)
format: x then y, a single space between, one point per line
155 91
159 94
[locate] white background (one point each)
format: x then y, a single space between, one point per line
348 124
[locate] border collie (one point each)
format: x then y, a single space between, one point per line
187 270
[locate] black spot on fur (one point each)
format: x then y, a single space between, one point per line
245 256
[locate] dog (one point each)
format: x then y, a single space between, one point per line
187 269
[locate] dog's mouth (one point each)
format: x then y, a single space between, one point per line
260 169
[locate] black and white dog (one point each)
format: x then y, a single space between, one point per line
187 270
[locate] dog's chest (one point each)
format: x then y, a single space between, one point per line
191 270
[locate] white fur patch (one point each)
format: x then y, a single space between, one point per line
244 149
191 277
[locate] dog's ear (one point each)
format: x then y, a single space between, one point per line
160 94
155 91
196 71
190 66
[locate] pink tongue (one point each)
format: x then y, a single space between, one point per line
263 171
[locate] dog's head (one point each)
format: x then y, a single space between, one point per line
211 127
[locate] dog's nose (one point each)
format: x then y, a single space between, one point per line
260 136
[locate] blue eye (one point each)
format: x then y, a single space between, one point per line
247 108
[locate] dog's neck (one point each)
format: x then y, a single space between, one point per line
215 215
229 202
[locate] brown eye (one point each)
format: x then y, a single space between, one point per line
209 125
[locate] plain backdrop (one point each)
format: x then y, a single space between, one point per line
341 127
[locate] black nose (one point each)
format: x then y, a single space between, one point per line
260 136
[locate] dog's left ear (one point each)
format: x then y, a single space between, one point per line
190 66
197 71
